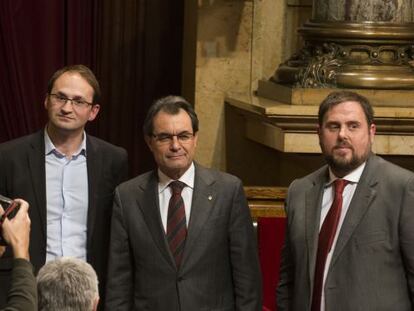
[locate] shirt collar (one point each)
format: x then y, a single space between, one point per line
352 177
187 178
50 147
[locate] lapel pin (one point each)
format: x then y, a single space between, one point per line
210 197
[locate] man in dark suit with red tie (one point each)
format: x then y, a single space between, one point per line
182 237
350 235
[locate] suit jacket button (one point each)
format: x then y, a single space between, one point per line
180 279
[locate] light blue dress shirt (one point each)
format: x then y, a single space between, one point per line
67 202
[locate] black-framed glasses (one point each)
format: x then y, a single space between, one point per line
62 100
165 138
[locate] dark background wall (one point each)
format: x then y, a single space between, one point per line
133 46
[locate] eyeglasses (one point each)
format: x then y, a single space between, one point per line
164 138
62 100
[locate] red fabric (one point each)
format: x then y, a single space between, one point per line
176 224
271 235
36 39
30 49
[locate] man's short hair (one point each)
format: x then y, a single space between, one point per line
170 104
67 284
340 97
85 73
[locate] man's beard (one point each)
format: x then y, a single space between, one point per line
342 166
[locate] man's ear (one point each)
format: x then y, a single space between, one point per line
94 112
195 139
148 141
95 304
372 131
318 130
46 101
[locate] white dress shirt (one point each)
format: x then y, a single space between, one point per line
328 197
164 193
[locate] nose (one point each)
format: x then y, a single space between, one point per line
67 106
175 144
343 132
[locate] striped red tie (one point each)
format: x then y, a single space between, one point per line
326 237
176 222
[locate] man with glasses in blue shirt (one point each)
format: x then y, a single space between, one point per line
181 236
67 176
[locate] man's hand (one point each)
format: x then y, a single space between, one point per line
2 248
16 232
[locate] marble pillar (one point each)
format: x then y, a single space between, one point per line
354 44
394 11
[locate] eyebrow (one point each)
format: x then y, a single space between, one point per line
331 122
65 95
166 133
340 124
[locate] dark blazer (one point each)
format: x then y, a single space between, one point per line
220 269
22 175
372 267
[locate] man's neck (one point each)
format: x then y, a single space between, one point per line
175 174
355 173
66 142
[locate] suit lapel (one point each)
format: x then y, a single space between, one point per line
204 196
363 196
313 213
36 159
93 163
148 202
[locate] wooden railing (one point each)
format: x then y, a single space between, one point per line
266 201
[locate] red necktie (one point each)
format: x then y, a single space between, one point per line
326 237
176 223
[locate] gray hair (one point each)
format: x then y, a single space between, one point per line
171 105
67 284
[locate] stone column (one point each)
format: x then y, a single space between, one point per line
394 11
354 44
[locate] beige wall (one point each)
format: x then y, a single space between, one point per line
229 46
236 44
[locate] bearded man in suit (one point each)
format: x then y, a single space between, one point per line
350 234
187 249
67 176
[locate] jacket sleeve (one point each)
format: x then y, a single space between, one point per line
23 291
244 255
285 287
406 235
120 286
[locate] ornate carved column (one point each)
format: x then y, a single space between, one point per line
354 44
